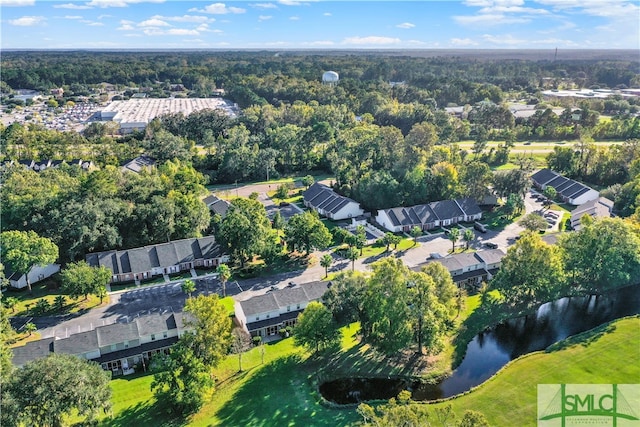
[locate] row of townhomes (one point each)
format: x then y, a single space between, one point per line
429 216
596 208
264 315
158 260
568 190
471 269
118 347
328 203
40 165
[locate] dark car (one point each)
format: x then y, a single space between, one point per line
491 245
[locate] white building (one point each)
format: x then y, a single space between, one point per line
568 190
429 216
328 203
36 274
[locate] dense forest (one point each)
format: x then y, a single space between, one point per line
382 132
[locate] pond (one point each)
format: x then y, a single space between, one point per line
491 350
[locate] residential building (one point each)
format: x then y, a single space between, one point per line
264 315
597 208
328 203
139 164
36 274
429 216
568 190
117 347
217 205
470 269
165 258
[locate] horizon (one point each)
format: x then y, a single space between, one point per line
285 25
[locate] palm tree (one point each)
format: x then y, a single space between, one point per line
326 262
352 254
188 287
468 236
10 302
30 327
415 233
224 274
454 235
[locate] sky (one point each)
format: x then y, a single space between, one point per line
292 24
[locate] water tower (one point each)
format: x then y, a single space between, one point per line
330 78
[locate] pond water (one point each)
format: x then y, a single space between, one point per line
491 350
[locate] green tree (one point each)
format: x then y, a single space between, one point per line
210 324
308 181
51 388
10 302
224 274
315 328
476 178
395 241
531 272
42 306
305 231
345 297
7 335
30 328
550 193
326 262
361 238
386 240
278 221
444 288
468 237
80 279
188 287
353 254
240 342
59 302
21 250
533 222
101 293
427 314
454 235
514 205
473 419
182 381
602 255
415 233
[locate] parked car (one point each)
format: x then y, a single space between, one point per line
491 245
291 285
480 227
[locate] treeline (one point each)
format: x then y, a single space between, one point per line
83 212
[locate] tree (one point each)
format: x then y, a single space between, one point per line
188 287
514 181
10 302
60 301
277 222
477 178
101 293
386 239
353 254
550 193
51 388
240 342
345 297
415 233
361 238
7 335
21 250
468 236
395 241
602 255
308 181
306 231
315 328
224 274
428 315
473 419
531 272
514 205
80 278
454 235
30 328
444 288
210 335
182 381
326 262
533 222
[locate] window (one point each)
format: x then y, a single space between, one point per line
126 344
153 337
288 308
113 347
267 316
257 317
298 308
164 334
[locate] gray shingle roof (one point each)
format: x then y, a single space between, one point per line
117 333
281 298
139 163
77 343
469 206
32 350
259 304
491 256
559 180
156 323
319 196
217 205
446 209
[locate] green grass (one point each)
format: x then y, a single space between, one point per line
228 303
608 354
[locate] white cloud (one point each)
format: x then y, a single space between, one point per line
119 3
489 3
154 23
603 8
17 2
170 32
377 40
489 19
27 21
218 9
264 5
289 2
95 24
264 18
514 9
71 6
327 14
73 17
294 18
318 43
504 39
185 18
406 25
463 42
104 16
126 25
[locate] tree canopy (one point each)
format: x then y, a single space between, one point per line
21 250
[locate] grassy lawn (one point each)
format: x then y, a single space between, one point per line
49 290
608 354
228 303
